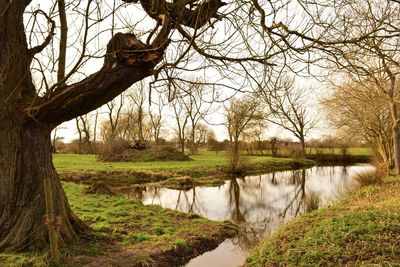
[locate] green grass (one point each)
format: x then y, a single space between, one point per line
205 160
206 169
124 226
362 230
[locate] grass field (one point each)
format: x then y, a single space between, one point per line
205 160
362 230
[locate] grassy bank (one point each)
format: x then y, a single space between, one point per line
127 233
203 161
207 168
362 230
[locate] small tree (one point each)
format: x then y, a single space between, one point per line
138 98
288 108
114 110
241 114
181 118
84 128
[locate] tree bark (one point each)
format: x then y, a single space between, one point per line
303 146
235 156
192 140
396 136
25 160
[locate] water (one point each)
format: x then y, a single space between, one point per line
259 204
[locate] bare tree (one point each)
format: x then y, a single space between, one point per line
257 131
360 110
156 119
55 138
196 108
288 109
95 123
138 98
181 118
375 57
114 111
240 116
203 132
83 125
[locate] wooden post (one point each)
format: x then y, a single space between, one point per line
50 221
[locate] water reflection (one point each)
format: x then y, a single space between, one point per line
258 204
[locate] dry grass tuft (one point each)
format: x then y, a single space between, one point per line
371 177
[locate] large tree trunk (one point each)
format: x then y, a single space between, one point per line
25 160
27 117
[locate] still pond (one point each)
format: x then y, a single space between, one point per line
259 204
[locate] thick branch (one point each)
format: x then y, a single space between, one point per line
128 60
179 13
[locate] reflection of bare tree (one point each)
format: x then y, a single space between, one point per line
344 184
138 191
234 202
273 179
243 201
193 199
250 234
135 192
190 204
299 179
156 194
345 172
178 199
187 201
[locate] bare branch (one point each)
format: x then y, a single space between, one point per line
37 49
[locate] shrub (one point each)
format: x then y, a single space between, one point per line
371 177
115 150
122 151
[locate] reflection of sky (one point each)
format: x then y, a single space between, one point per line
259 204
258 195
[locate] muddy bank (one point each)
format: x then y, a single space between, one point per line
179 255
115 178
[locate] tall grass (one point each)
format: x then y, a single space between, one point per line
312 202
371 177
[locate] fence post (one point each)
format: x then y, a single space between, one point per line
50 221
